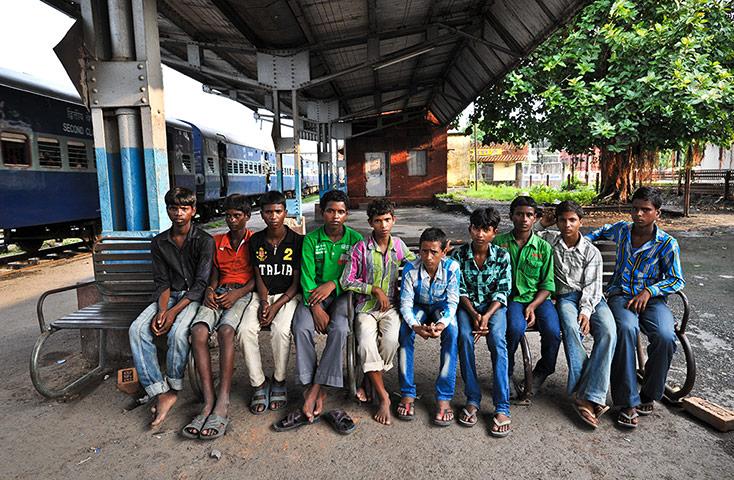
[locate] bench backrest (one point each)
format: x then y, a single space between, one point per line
608 251
123 267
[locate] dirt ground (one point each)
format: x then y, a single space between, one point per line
104 435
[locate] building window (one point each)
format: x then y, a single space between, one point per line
77 154
417 163
15 149
49 152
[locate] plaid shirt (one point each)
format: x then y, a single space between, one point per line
576 269
490 283
368 268
655 266
417 287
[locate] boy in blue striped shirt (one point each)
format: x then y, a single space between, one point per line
647 271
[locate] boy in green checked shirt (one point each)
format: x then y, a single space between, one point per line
532 284
372 271
324 310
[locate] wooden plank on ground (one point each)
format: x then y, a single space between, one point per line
715 415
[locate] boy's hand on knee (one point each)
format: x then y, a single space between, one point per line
321 293
320 318
381 299
638 303
530 315
583 324
164 322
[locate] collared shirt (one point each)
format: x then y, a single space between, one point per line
577 269
368 268
186 269
532 267
234 265
324 260
417 287
655 266
492 282
276 263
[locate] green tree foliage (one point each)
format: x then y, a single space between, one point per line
631 78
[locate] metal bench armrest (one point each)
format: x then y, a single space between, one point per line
42 299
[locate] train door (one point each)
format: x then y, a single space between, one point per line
223 178
377 174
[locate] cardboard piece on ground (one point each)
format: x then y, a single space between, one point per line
715 415
127 380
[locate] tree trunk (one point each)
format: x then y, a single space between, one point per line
615 176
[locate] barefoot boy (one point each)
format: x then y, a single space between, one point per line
428 299
225 299
372 271
646 272
324 310
532 283
485 284
182 264
578 271
276 258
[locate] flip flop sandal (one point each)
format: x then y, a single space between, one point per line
195 424
278 394
410 408
641 409
217 423
580 410
496 433
600 410
627 420
466 413
264 392
295 419
341 421
443 412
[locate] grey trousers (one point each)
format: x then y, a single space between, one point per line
330 370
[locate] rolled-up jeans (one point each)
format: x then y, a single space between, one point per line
145 353
588 376
497 344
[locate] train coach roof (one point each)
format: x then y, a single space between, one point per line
249 137
29 83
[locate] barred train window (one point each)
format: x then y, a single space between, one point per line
186 161
49 152
210 164
77 155
230 166
15 149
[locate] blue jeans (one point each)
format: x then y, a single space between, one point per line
588 376
546 319
657 323
497 344
447 373
145 354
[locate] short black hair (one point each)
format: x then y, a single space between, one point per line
180 196
523 201
649 194
569 206
379 206
433 235
273 197
237 201
484 218
333 196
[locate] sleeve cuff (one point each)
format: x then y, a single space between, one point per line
653 291
587 311
499 297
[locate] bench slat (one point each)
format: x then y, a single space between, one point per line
108 315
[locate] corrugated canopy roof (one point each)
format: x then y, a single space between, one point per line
372 56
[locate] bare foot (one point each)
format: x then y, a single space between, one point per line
383 410
501 417
165 402
313 401
361 395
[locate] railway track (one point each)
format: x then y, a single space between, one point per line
19 261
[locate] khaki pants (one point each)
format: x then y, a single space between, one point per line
377 339
280 338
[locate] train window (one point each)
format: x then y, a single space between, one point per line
49 152
241 165
15 149
230 166
186 162
417 163
77 154
210 164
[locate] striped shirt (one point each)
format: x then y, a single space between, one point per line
368 268
417 287
576 269
492 282
655 266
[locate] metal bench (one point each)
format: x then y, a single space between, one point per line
123 274
673 394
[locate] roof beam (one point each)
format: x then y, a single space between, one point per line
239 23
506 37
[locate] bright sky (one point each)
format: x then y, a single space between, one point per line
27 46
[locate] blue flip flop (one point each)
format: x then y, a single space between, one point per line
263 392
277 394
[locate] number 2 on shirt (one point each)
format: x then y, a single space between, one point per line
288 254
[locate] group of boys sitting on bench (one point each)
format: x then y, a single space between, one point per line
495 287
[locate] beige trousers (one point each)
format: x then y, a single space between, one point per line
377 339
280 338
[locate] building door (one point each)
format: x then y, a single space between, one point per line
377 174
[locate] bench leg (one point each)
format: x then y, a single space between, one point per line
77 385
194 378
351 351
527 364
672 394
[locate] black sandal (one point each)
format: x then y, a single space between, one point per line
341 421
294 420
